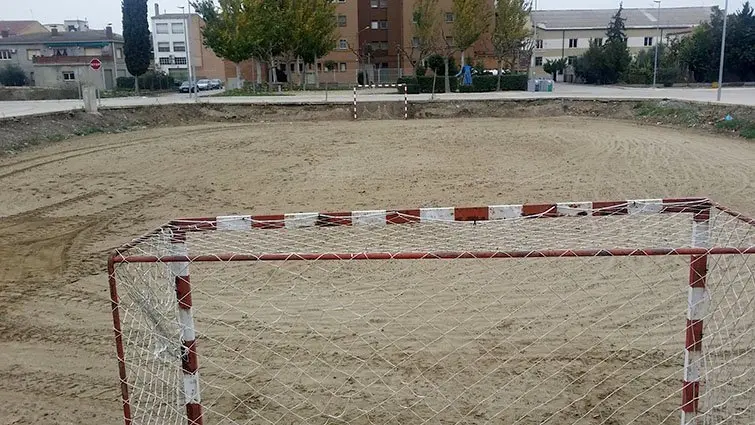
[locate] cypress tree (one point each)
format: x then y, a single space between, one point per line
136 48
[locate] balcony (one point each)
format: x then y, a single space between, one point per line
69 60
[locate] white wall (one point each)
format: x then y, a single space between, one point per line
169 38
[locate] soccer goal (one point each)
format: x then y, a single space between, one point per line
627 312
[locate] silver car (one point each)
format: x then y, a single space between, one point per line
203 84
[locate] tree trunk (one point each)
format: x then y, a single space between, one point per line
259 70
462 59
317 75
136 85
447 86
289 79
500 72
239 85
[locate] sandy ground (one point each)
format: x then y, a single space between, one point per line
64 206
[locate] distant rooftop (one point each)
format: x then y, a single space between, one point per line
172 16
635 18
16 27
62 37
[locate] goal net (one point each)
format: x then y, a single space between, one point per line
630 312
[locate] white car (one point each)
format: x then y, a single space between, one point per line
203 84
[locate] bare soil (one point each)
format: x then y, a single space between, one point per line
64 206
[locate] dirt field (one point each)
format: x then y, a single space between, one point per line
64 206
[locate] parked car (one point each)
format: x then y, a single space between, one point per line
186 87
203 84
216 84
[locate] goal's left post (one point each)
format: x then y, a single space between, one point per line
189 363
120 352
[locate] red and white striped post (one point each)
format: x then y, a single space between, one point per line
697 303
406 102
189 363
355 103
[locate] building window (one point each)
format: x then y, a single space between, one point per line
374 4
415 42
449 17
572 43
379 25
538 60
450 41
61 52
570 60
163 47
5 55
31 54
165 61
180 61
648 41
383 4
161 28
343 44
177 28
69 76
342 66
341 20
538 44
598 41
179 46
118 53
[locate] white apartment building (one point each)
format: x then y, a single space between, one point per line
171 42
567 33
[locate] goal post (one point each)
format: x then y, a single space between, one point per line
630 312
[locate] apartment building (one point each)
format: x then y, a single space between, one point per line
61 59
173 34
567 33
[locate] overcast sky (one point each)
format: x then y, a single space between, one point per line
101 12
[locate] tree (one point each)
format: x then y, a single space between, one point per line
615 50
509 31
740 44
553 67
314 30
606 63
227 31
425 26
471 21
136 44
271 21
12 75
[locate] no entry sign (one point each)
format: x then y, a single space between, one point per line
95 64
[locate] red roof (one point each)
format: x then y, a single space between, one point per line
16 27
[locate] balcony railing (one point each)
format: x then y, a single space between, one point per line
69 60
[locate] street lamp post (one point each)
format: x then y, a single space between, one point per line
187 40
721 60
658 30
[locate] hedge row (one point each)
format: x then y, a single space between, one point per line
148 81
480 83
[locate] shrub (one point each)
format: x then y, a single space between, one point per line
435 63
151 80
424 84
488 83
13 75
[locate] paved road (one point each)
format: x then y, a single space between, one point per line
734 95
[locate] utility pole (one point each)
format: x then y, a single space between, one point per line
658 30
721 60
187 41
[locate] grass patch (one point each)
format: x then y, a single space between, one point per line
249 92
86 131
667 113
745 128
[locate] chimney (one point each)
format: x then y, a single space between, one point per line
4 34
54 31
109 32
157 9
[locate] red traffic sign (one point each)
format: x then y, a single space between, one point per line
95 64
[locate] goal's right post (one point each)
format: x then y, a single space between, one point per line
697 301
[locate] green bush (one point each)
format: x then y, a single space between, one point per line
488 83
435 63
480 83
149 81
13 75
